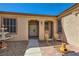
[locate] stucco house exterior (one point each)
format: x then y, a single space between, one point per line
70 25
26 26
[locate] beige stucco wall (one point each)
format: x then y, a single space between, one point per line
22 25
70 25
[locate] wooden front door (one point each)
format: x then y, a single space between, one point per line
33 29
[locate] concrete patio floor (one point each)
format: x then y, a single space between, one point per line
15 48
19 48
37 48
43 49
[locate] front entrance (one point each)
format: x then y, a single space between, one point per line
33 29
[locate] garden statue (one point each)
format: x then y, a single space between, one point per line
63 49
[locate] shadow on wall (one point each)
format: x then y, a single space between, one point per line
72 53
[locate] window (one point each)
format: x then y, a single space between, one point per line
10 24
59 26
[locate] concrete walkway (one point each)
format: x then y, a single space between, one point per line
33 48
49 51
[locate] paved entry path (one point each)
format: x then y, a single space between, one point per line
49 51
33 48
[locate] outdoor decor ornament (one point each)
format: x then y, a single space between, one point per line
63 49
3 45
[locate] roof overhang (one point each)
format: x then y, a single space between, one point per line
69 10
17 13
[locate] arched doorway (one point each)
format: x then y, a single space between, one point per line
49 28
33 29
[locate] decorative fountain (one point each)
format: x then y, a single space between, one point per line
3 37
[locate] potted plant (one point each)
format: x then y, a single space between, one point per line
55 39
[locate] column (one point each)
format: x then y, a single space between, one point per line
55 27
27 36
41 30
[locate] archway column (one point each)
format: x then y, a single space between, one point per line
27 36
41 30
55 27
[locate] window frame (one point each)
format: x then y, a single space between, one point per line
10 25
